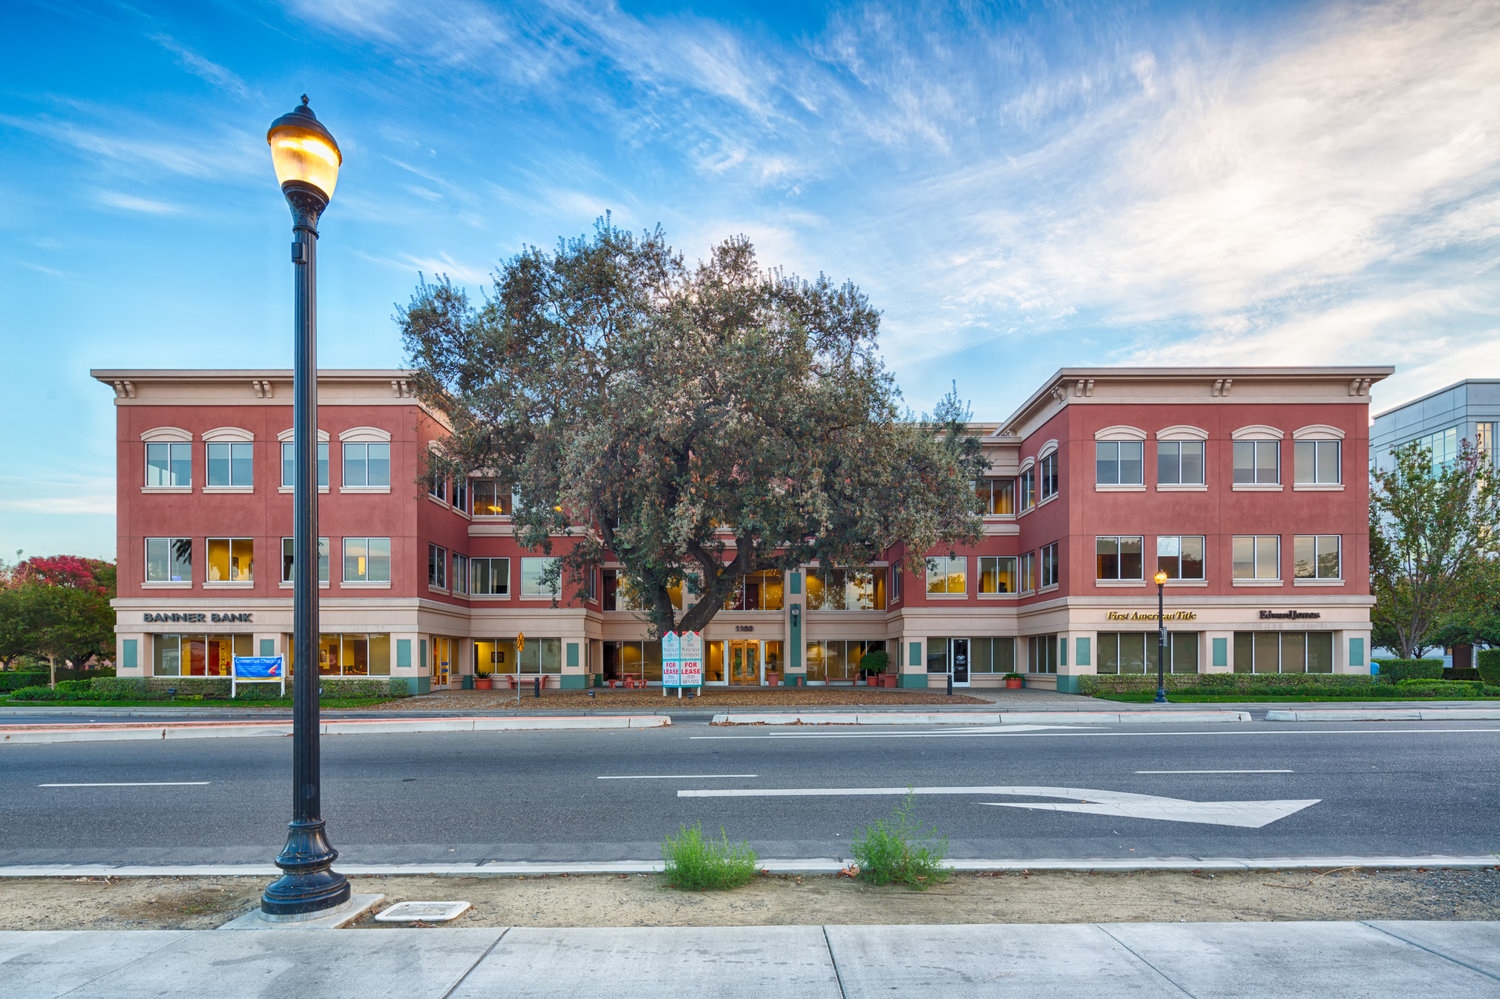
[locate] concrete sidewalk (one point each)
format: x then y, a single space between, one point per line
1304 959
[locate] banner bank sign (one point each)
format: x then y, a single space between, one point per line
212 618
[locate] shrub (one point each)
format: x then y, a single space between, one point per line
73 688
1417 687
1396 670
875 662
336 687
693 863
1455 673
1487 661
1310 684
897 849
119 688
38 693
16 679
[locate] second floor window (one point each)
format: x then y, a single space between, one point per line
367 464
1117 557
367 560
1316 556
1050 575
437 567
490 577
532 572
1179 463
1180 556
997 497
1118 463
1047 473
169 464
1257 462
845 588
230 464
948 574
437 488
289 464
231 560
1257 556
169 560
997 574
288 554
1027 571
1316 462
460 575
1026 486
492 498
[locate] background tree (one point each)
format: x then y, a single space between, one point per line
58 607
1434 538
709 421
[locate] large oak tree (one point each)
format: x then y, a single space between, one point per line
702 421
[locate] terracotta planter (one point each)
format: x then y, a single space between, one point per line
773 680
1013 683
483 683
888 679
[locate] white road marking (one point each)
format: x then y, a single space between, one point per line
143 783
1214 771
1077 732
1247 814
673 776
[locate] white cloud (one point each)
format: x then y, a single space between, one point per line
211 72
131 203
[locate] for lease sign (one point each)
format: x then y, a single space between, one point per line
692 659
671 659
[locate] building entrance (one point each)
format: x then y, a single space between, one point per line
744 663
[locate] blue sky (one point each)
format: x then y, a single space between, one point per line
1017 186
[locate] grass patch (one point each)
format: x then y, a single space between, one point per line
697 864
1187 697
898 850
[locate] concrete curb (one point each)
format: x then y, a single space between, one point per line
809 865
1387 714
374 726
985 718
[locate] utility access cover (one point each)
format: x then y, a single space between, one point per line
422 912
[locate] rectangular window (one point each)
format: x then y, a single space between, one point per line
1179 463
1316 462
1027 582
289 464
367 560
1316 556
288 546
532 571
492 498
461 493
437 488
1118 557
1047 468
838 661
1443 446
1257 462
1180 556
1484 442
948 574
1283 652
437 567
1135 652
992 655
230 464
1049 564
169 560
761 590
895 573
231 560
845 588
997 497
351 655
460 575
1257 556
1119 463
367 465
169 464
490 577
997 574
618 594
1026 486
1041 654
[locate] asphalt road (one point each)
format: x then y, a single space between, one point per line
1364 789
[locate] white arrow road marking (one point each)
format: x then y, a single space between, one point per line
1247 814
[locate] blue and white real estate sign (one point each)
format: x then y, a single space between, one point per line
691 668
671 659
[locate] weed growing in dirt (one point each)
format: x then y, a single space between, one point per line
697 864
897 849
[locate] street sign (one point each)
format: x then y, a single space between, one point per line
520 642
671 659
692 659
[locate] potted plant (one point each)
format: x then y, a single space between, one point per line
1013 681
875 665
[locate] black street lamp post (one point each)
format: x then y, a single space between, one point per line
307 161
1161 638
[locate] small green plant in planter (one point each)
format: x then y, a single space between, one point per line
874 664
1014 680
697 864
898 850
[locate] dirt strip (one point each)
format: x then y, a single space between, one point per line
606 900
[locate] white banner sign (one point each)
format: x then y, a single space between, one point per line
692 659
671 659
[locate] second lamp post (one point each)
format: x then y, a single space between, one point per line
1161 638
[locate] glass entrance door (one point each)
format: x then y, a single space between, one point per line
744 663
960 660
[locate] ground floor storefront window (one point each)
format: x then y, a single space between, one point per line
1135 652
1041 654
535 657
1283 652
197 655
347 654
837 660
986 655
632 660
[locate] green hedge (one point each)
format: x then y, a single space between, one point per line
1396 670
1439 688
197 687
1342 684
1487 661
10 680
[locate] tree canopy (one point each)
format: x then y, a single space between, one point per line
706 421
57 607
1434 543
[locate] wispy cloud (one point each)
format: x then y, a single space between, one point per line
229 153
132 203
205 69
442 264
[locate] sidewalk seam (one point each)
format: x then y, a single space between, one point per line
477 962
837 977
1446 957
1155 970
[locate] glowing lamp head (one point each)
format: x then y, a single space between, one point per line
303 152
1161 578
